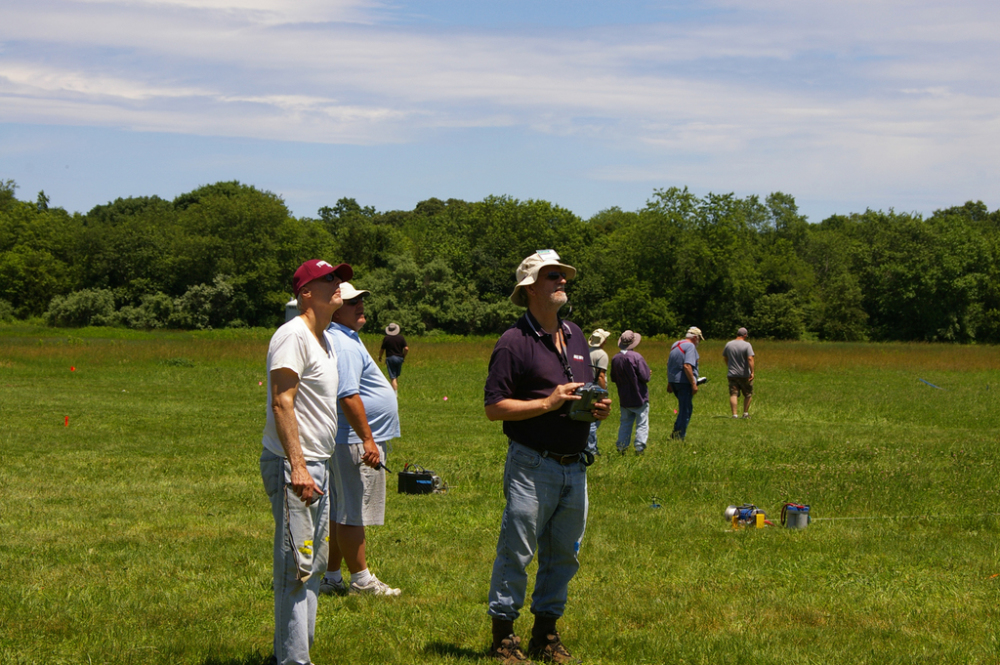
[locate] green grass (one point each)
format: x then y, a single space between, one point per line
141 532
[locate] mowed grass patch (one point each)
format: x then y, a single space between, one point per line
141 532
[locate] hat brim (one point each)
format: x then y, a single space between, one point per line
353 293
344 272
635 342
518 297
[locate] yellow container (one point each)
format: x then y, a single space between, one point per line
760 520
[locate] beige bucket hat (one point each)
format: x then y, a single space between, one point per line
527 272
598 337
392 329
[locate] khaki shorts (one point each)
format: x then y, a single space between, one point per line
738 384
357 491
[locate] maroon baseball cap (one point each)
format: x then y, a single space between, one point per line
316 268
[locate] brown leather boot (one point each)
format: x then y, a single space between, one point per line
506 645
546 646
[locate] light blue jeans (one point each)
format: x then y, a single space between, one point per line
301 547
592 438
640 417
546 510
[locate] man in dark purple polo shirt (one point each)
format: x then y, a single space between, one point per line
534 370
630 373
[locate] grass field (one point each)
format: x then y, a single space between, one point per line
140 533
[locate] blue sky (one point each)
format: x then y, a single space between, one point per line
845 105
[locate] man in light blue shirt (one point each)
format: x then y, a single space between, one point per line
368 417
682 377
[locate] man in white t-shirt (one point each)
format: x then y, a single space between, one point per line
298 440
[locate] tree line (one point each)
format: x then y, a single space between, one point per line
223 256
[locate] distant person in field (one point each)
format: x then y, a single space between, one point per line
630 374
535 368
298 441
682 378
599 363
367 419
739 356
395 349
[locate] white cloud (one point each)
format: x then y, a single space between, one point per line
266 11
39 81
855 95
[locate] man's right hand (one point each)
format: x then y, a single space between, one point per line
561 394
304 486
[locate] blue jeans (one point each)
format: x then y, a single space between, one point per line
546 509
640 417
592 438
685 407
301 547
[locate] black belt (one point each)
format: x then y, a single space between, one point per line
562 459
586 458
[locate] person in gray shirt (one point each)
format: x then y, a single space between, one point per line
739 356
599 363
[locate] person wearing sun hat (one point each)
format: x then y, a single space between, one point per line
297 442
682 377
536 366
630 373
599 363
395 349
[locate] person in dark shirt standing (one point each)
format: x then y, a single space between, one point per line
395 349
630 374
535 368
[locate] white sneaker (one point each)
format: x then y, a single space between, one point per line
330 588
735 416
745 415
375 587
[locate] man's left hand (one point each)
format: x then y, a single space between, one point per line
602 409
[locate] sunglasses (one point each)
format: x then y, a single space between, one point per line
355 300
555 275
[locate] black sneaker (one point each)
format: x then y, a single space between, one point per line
509 652
551 650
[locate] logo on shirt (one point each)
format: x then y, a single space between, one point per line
577 357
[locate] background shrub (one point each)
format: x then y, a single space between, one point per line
89 307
